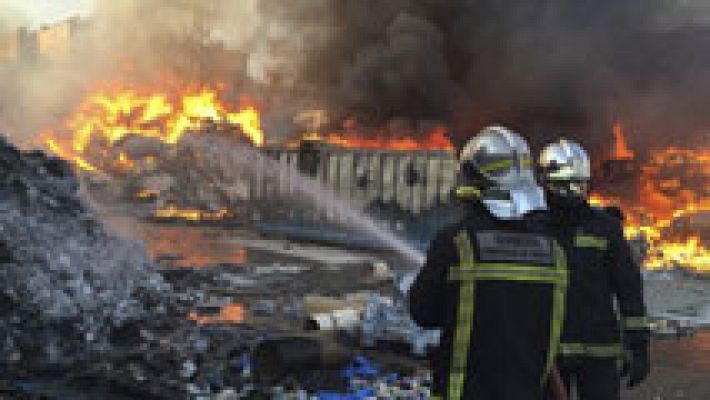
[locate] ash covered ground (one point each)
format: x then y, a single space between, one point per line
139 310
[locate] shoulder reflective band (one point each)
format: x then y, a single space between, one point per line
467 272
468 192
464 321
610 350
582 240
635 323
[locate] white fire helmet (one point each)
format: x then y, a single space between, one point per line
496 166
565 168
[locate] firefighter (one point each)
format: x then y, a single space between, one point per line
602 274
495 282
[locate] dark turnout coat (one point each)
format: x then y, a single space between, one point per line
498 305
602 274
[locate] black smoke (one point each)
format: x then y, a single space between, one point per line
544 67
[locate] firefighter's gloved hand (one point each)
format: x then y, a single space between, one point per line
636 365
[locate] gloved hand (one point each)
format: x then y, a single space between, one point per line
636 365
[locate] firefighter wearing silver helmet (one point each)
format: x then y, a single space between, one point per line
566 171
496 167
602 272
492 349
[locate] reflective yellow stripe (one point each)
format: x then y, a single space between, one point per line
582 240
558 309
509 272
462 335
501 276
468 192
591 350
467 272
497 166
635 323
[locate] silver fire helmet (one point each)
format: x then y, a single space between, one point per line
565 168
496 166
565 160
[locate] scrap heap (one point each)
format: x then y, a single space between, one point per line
81 307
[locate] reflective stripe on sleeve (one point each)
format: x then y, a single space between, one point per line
603 350
590 241
635 323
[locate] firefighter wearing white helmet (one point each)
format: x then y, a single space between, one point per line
494 283
602 272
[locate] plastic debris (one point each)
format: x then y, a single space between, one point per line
385 320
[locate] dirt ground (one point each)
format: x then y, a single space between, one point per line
680 370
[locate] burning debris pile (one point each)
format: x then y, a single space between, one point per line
134 135
147 145
115 112
666 204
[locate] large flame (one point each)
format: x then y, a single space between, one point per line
112 111
436 139
672 185
351 135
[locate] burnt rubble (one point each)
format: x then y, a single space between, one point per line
82 308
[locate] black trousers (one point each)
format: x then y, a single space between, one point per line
591 378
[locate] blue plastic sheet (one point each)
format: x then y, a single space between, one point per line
361 367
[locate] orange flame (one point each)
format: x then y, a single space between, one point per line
112 111
434 140
55 148
230 313
189 214
672 186
621 149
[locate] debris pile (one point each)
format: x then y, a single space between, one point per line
174 179
60 268
81 307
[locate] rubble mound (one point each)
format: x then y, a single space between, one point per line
66 285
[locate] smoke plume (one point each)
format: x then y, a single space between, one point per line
546 68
